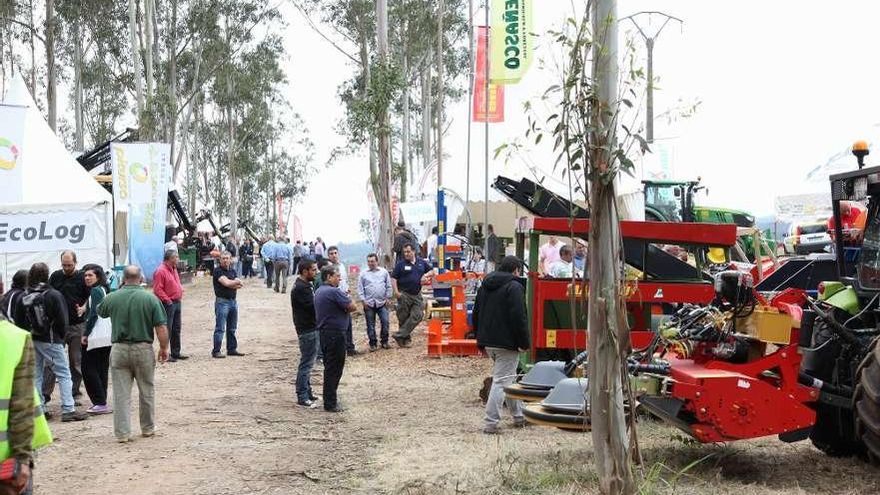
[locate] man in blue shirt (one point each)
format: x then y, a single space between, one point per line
267 252
406 280
281 261
332 312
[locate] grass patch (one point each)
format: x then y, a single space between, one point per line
558 470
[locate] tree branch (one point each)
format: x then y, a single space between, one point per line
32 29
321 34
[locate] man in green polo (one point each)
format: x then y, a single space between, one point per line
136 316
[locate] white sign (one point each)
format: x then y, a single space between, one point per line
55 231
11 153
419 211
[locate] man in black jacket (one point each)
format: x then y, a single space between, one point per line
502 327
43 312
302 302
70 283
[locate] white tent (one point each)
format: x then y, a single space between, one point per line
48 202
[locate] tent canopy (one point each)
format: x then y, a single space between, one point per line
48 202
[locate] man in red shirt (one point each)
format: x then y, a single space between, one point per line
166 286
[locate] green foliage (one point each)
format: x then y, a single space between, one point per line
364 117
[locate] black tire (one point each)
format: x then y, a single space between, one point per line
834 430
867 404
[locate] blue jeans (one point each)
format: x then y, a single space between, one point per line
226 312
55 357
308 351
370 315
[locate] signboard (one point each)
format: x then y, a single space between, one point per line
49 231
419 211
496 91
797 206
141 173
11 154
511 42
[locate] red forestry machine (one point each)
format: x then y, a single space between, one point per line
745 366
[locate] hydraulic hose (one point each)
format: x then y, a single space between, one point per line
809 381
574 363
843 332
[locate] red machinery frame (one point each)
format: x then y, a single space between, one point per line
721 401
644 297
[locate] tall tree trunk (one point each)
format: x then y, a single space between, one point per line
608 329
184 127
79 132
405 165
383 199
51 78
148 49
171 129
137 63
33 81
427 103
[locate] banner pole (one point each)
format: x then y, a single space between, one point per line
486 142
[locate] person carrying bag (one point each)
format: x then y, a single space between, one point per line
96 341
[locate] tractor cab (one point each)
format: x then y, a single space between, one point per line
670 201
858 263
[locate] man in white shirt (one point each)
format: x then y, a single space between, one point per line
564 267
374 290
549 254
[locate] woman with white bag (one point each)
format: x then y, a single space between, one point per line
96 341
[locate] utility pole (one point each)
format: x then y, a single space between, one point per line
486 127
649 44
441 8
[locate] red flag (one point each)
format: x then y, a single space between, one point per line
496 91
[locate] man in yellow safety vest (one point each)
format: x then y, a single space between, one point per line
23 427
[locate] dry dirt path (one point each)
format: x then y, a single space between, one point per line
231 426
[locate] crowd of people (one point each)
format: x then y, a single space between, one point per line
70 329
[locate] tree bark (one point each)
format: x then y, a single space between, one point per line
383 199
33 81
148 49
426 116
608 330
78 86
137 63
171 131
405 165
51 78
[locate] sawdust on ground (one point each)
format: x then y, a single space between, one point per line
231 426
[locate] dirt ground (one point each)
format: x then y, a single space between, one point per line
411 426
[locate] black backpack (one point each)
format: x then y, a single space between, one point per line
34 302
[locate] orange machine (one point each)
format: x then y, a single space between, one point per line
448 326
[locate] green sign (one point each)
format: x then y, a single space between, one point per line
510 39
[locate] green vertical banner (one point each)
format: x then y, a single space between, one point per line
511 44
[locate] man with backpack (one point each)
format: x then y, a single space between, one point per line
70 283
43 312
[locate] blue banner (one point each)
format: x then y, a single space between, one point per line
141 175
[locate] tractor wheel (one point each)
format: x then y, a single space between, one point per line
834 430
867 404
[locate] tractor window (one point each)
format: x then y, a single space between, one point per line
869 259
663 198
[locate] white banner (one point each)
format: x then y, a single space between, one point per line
11 153
50 231
419 211
141 174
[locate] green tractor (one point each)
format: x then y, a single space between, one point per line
673 201
839 331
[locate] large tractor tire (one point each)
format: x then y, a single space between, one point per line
834 430
867 404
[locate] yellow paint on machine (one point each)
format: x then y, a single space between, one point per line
551 339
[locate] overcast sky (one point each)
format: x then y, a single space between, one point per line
781 87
